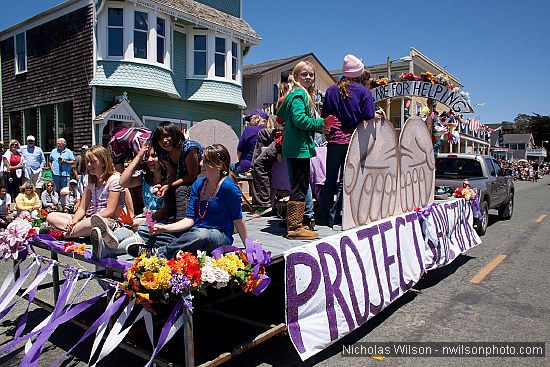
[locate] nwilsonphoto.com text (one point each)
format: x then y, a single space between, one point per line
446 349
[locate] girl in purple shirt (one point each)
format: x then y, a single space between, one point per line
351 103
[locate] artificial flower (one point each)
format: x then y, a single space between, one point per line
230 263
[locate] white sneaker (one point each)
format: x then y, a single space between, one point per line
97 243
107 234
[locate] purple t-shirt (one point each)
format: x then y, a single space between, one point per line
351 111
100 195
247 142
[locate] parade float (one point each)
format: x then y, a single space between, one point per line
393 234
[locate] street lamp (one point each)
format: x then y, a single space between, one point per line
388 106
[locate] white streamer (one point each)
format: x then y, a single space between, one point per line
16 287
9 278
101 329
46 321
116 336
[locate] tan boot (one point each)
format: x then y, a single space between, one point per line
295 229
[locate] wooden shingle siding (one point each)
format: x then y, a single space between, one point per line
59 69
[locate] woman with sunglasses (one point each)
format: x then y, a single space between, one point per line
14 165
27 200
50 199
214 209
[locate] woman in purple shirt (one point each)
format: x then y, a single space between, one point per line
351 103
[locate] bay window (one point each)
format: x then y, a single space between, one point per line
141 28
234 60
213 55
115 32
219 57
161 40
199 55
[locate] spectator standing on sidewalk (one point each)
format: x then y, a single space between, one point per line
61 160
14 164
34 162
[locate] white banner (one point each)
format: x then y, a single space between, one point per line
448 232
451 98
334 285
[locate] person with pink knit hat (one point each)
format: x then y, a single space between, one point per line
352 103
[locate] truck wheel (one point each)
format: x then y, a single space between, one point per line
506 210
483 222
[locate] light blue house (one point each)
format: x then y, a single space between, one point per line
167 60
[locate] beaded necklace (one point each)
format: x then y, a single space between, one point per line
201 216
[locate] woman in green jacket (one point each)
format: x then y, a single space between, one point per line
298 111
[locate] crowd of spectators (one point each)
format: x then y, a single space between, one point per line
525 170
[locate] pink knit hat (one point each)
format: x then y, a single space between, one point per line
353 67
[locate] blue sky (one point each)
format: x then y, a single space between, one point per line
498 49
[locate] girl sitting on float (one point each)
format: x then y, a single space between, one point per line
214 210
102 195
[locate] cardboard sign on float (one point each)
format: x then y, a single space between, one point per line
208 132
386 176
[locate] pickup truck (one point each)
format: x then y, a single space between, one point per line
494 185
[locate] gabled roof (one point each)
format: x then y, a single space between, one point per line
263 67
266 66
204 15
121 111
517 138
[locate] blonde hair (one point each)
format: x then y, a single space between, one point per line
301 66
14 141
25 186
104 158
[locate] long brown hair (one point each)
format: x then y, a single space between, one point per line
217 155
104 158
344 82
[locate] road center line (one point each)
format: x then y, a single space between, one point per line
487 269
540 218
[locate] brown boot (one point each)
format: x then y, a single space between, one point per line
295 229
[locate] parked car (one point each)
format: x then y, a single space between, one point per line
494 185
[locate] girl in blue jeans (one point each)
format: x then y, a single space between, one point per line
214 210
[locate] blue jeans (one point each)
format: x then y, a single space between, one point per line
159 240
60 182
194 239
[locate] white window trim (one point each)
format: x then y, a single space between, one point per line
210 57
191 58
115 27
128 36
17 71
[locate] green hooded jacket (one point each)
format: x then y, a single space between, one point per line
300 127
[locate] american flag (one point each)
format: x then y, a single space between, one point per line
474 123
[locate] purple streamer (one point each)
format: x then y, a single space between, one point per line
56 245
107 314
31 357
256 256
475 204
32 293
178 309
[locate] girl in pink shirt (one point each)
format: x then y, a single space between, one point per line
102 196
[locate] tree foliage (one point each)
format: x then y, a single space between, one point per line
538 125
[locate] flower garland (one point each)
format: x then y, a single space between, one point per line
152 279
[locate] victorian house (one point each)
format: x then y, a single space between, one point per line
76 70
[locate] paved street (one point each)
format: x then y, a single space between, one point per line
510 303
